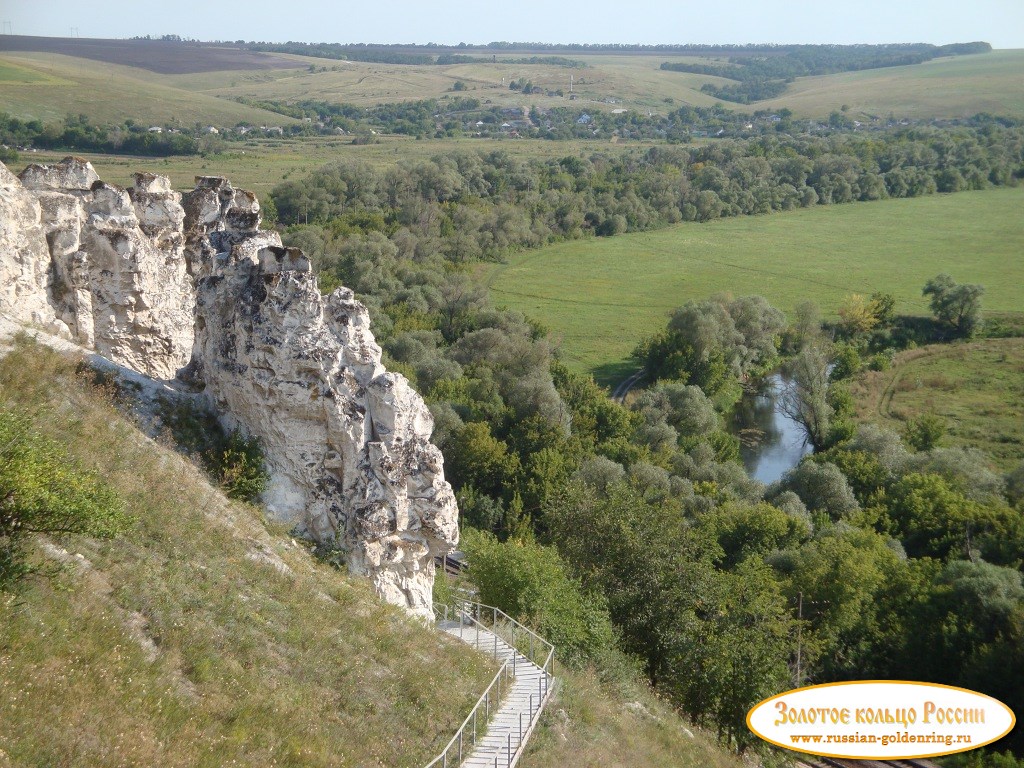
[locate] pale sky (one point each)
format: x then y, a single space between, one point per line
999 22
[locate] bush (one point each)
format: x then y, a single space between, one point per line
531 583
233 460
239 469
925 432
44 490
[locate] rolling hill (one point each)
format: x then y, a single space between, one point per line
168 82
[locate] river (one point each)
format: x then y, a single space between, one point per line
771 443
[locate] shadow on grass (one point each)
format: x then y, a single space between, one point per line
610 375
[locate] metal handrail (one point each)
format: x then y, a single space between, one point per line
454 749
484 701
471 607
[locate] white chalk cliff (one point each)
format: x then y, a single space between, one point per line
168 285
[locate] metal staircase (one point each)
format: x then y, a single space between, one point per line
496 730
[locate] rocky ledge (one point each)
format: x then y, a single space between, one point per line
190 286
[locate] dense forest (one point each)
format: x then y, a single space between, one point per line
632 536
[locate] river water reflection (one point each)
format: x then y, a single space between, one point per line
781 442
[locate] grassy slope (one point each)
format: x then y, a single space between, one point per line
593 725
633 81
111 93
950 87
182 644
976 387
601 296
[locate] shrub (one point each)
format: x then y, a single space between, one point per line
233 460
44 490
925 432
531 583
239 468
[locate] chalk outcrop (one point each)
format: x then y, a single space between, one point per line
98 264
168 285
25 255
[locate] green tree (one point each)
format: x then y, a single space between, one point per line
805 397
482 461
822 488
853 590
934 519
955 305
531 583
714 641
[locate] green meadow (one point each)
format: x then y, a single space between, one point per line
599 297
976 388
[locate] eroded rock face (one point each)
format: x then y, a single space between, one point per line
347 443
24 255
111 275
155 281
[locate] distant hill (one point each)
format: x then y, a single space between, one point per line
168 57
178 82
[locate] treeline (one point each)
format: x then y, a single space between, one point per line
76 132
553 61
765 77
470 205
401 54
692 49
345 52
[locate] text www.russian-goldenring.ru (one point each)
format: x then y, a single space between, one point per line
885 740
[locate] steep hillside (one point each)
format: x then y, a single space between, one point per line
205 637
591 724
202 636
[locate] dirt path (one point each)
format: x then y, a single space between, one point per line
619 395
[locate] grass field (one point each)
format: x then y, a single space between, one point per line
111 93
599 297
949 87
12 74
154 55
977 388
